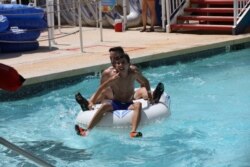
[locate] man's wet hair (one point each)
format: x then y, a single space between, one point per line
117 49
121 56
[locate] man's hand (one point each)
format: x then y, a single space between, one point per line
114 77
91 105
150 98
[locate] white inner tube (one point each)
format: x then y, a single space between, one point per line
122 118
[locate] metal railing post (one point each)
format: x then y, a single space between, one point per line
124 4
80 24
168 8
48 3
74 11
100 20
58 15
24 153
163 14
96 10
235 12
52 21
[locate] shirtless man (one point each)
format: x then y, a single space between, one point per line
106 74
122 86
107 93
109 72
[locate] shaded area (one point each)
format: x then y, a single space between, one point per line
42 88
41 49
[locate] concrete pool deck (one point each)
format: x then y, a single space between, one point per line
65 59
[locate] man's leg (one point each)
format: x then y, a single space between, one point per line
141 93
158 92
82 101
144 14
151 5
107 94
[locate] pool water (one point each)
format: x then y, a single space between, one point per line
209 124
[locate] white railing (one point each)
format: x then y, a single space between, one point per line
169 9
172 6
240 6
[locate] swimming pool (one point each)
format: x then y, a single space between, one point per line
209 125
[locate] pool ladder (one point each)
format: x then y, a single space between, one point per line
26 154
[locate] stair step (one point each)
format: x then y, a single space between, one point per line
207 18
214 2
201 27
217 2
209 10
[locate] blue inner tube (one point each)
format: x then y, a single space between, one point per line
28 23
21 11
16 34
4 23
18 47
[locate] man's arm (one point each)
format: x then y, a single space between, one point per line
105 76
135 69
145 83
104 85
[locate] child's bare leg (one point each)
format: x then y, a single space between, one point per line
99 114
106 94
136 116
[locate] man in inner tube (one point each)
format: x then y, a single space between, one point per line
107 93
122 86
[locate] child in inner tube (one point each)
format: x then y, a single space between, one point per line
122 86
107 93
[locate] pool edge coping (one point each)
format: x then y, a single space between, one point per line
174 54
